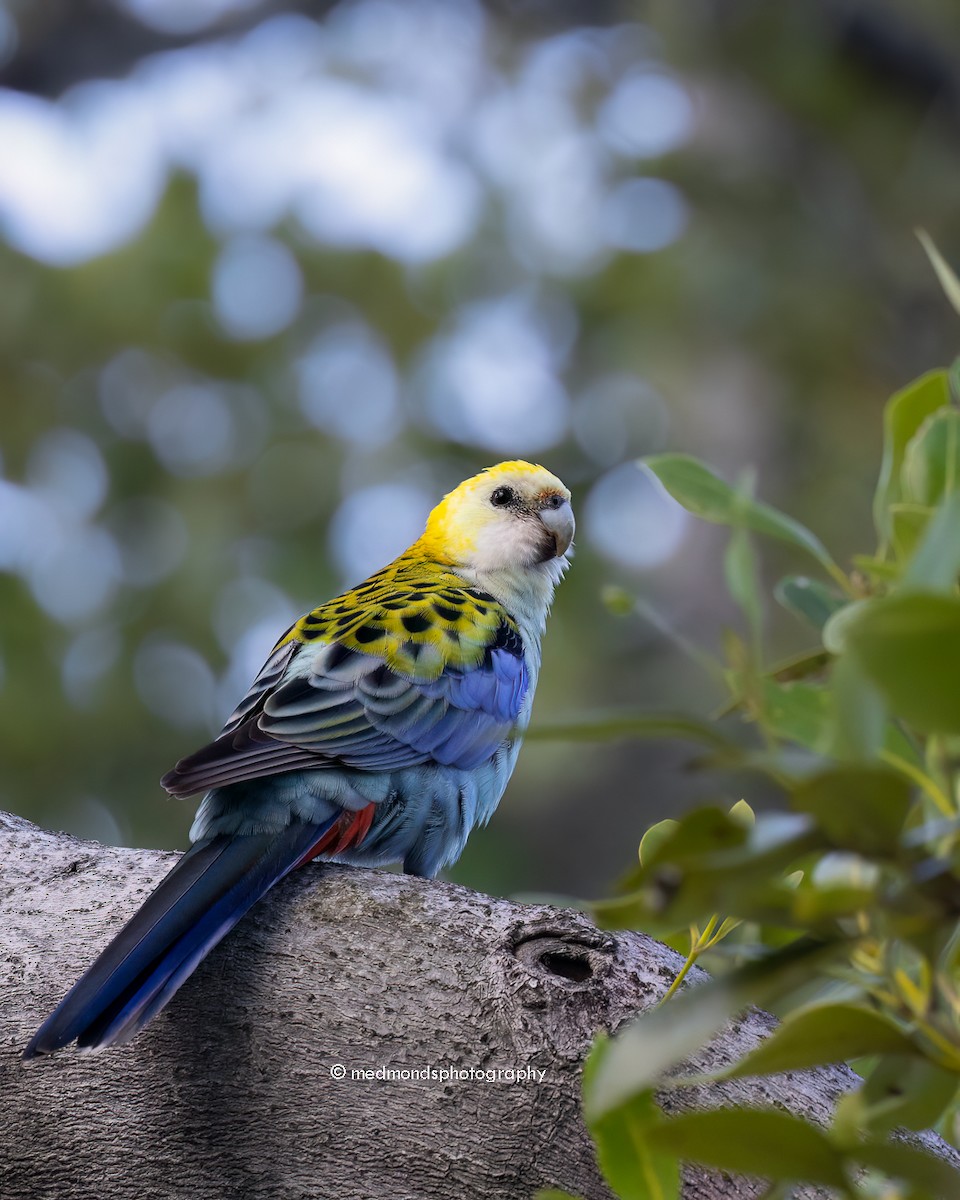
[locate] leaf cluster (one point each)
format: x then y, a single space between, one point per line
839 912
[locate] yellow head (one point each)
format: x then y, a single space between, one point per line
513 515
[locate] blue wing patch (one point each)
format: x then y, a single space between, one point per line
354 711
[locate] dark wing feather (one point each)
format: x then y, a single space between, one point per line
268 678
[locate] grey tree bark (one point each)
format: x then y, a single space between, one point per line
232 1091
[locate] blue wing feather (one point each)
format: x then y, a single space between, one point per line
356 712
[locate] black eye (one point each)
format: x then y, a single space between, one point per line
502 496
553 502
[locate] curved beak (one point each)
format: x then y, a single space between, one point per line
560 525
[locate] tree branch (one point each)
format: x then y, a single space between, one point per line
229 1092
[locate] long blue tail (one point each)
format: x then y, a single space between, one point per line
196 905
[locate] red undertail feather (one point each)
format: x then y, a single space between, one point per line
349 831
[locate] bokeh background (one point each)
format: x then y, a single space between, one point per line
273 277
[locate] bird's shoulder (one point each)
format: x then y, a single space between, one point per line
413 666
418 617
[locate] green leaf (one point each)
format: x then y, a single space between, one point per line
835 630
935 564
713 863
909 645
843 720
859 808
660 1039
799 666
826 1033
860 714
806 714
841 890
708 496
743 814
808 599
702 831
655 837
632 1161
755 1141
914 1166
799 712
909 524
931 465
743 584
945 273
904 414
877 569
904 1090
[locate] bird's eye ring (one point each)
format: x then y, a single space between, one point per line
553 502
502 496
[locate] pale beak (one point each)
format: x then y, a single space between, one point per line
560 525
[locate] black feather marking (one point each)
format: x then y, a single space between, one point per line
415 623
379 676
290 693
337 655
508 639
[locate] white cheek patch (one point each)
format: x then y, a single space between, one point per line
512 542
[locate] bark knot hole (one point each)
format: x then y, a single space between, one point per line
565 958
567 964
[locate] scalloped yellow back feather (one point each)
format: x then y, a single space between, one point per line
414 614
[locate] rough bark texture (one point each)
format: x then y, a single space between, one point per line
229 1093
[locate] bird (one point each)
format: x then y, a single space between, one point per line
382 728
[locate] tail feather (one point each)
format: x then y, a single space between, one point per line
212 886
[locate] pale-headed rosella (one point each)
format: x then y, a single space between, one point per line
382 728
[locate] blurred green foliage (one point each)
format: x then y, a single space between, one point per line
840 914
792 298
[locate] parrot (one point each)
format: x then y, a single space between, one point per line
384 725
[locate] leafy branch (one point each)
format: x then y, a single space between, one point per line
842 910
